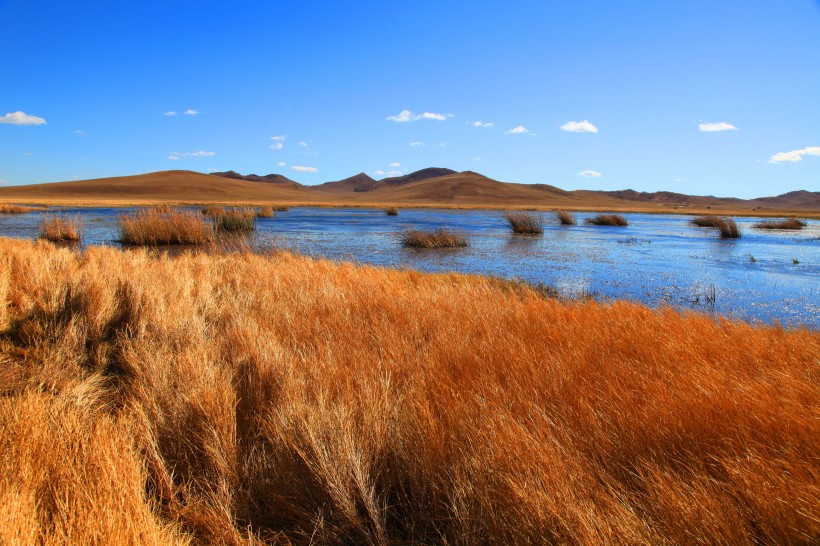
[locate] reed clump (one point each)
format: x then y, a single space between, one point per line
391 211
7 208
607 220
247 399
439 238
729 229
235 219
157 228
61 228
788 223
213 210
565 218
526 223
711 221
265 212
162 207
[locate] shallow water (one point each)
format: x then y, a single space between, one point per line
657 259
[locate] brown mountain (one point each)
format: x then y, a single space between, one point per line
270 178
357 183
423 174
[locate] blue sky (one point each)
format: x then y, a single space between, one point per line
586 94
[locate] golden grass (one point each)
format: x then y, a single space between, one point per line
242 399
709 220
525 222
729 229
8 208
265 211
213 210
607 220
788 223
565 218
235 219
61 228
158 228
439 238
391 211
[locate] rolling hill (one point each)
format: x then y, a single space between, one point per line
428 187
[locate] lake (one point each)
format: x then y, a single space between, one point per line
769 276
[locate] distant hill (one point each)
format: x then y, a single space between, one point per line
427 187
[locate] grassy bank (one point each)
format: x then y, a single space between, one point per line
243 398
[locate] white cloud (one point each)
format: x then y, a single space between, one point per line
406 115
579 127
277 146
590 174
191 112
21 118
3 182
481 124
716 127
279 138
520 130
80 132
795 155
303 143
170 113
388 173
417 143
281 163
304 169
395 165
28 154
174 156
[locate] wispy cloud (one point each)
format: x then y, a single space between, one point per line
716 127
3 182
170 113
302 169
388 173
520 130
191 112
481 124
21 118
80 132
590 174
417 143
406 116
281 164
579 127
303 144
278 142
175 156
277 146
395 165
795 155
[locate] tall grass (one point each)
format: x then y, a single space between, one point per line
157 228
565 218
391 211
788 223
6 208
525 222
235 219
607 220
265 212
61 228
213 210
729 229
707 221
439 238
243 399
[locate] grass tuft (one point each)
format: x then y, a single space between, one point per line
391 211
711 221
565 218
59 228
6 208
265 212
440 238
157 228
729 229
235 219
789 223
213 210
607 220
525 222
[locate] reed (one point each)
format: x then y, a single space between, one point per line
213 210
525 222
156 228
7 208
247 399
60 228
607 220
235 219
711 221
391 211
565 218
788 223
439 238
729 229
265 212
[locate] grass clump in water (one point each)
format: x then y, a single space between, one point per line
440 238
525 222
607 220
391 211
729 229
265 212
60 228
711 221
10 208
158 228
235 219
789 223
565 218
213 210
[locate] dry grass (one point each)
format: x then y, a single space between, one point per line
265 212
391 211
525 222
241 399
6 208
235 219
788 223
607 220
439 238
213 210
61 228
565 218
729 229
157 228
711 221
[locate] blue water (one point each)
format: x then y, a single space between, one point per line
657 259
